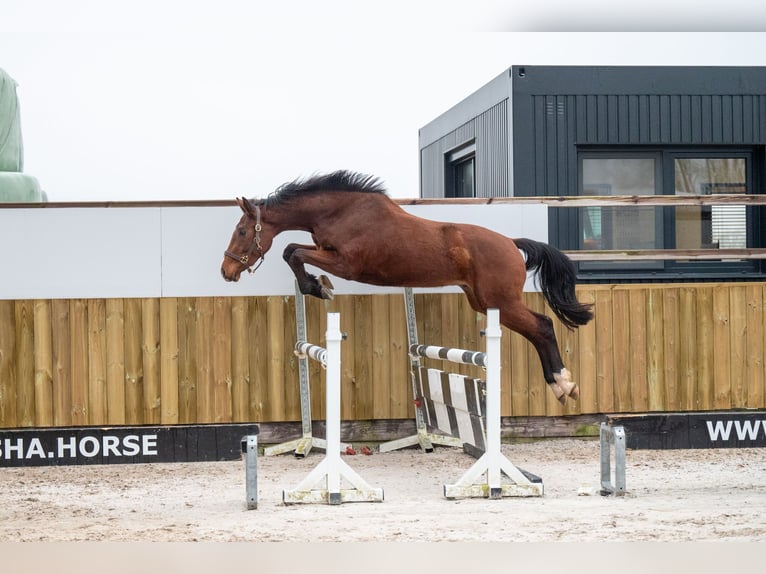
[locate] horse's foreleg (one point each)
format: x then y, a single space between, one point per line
308 284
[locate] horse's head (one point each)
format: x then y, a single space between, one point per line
249 242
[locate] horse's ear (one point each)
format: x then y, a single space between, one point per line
244 204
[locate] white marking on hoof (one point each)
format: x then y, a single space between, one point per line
569 387
558 393
326 287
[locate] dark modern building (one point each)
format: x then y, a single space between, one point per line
601 131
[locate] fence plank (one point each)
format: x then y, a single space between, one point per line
588 375
687 349
738 345
7 365
78 325
655 350
221 357
756 346
187 360
240 370
402 405
604 345
134 363
204 350
705 340
275 376
380 362
43 354
620 355
362 349
639 377
97 395
671 347
348 399
150 351
169 355
258 358
62 374
115 361
721 343
25 361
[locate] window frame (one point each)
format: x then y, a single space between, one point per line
592 271
454 160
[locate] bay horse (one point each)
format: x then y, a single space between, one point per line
359 233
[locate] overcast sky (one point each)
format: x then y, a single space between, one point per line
177 99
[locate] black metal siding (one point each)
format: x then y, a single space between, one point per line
489 131
555 110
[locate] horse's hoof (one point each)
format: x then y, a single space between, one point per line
558 393
565 383
326 287
327 294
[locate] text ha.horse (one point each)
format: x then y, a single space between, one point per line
360 234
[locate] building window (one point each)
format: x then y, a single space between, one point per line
620 227
666 172
460 176
715 226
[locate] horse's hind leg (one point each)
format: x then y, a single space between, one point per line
538 330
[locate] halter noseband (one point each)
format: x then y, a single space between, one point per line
256 245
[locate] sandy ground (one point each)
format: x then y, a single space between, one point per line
680 495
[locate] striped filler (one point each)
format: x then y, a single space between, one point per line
448 354
312 351
455 404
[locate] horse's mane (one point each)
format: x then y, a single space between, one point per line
336 181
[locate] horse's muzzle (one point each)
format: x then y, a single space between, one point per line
234 277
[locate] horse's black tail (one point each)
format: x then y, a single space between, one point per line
556 277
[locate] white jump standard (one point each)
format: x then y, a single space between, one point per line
332 468
302 445
492 462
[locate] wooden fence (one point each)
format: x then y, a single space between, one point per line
678 347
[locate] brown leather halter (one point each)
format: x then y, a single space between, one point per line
255 246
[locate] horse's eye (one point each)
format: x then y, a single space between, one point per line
242 231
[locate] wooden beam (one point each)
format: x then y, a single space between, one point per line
661 254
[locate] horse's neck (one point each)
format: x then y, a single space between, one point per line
312 212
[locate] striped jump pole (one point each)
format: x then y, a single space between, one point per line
332 468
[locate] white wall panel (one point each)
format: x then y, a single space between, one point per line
95 252
67 253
